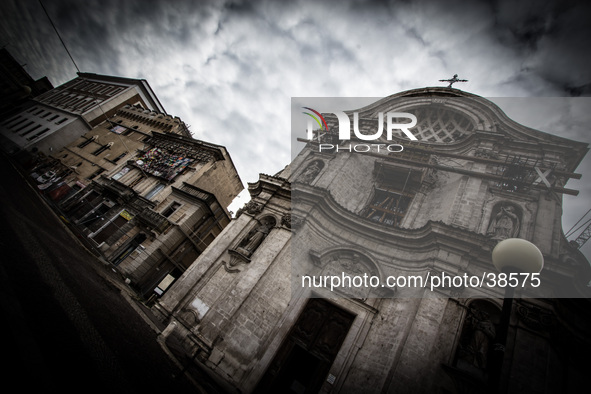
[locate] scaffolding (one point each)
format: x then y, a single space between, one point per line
520 174
584 235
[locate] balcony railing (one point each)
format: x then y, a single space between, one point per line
153 220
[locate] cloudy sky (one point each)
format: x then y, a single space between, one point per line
229 69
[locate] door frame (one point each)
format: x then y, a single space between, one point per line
364 311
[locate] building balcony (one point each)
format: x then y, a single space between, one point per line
153 220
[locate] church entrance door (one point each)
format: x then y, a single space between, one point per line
304 359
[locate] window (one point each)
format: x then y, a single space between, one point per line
387 207
121 156
117 90
71 98
118 129
395 187
82 103
155 190
24 127
95 216
96 173
62 120
439 124
39 134
114 226
29 131
88 141
15 121
118 175
88 106
103 89
171 209
136 181
102 149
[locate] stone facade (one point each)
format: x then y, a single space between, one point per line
438 207
59 116
147 197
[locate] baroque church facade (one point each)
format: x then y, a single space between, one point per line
439 206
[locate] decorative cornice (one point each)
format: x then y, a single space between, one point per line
309 197
274 185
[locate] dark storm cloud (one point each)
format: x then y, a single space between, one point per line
541 36
25 33
552 39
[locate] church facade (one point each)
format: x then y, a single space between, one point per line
253 309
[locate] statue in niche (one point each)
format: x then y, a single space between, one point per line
505 223
482 336
310 172
256 236
476 345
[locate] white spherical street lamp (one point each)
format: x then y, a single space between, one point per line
512 255
517 255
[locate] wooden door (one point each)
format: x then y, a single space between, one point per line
302 362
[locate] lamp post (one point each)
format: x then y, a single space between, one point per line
510 256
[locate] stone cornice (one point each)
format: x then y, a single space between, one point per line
307 198
274 185
434 235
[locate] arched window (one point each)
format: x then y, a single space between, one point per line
440 124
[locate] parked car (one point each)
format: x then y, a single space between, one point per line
48 176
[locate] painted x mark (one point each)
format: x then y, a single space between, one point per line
542 177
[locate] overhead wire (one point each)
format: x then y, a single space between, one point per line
572 229
58 35
96 100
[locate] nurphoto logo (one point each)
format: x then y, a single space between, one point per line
392 123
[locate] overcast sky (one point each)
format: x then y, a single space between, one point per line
229 69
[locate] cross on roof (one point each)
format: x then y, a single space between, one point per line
453 80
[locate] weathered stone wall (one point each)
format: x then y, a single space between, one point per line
237 312
219 178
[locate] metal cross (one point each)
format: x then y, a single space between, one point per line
453 80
